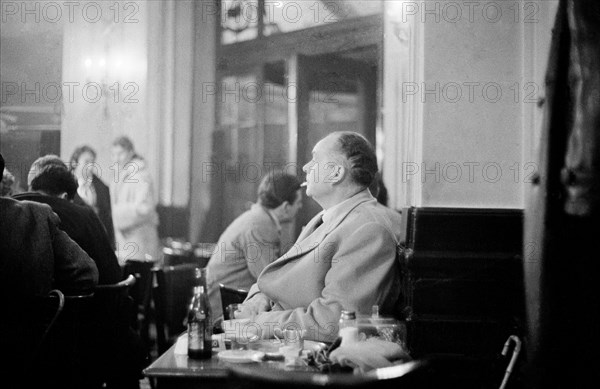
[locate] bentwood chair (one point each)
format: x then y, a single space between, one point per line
51 307
117 353
60 358
230 295
141 293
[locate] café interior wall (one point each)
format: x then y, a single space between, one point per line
148 73
472 114
90 53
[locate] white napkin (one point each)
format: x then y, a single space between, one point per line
181 347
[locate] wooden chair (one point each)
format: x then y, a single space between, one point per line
141 293
116 353
46 332
231 295
178 254
47 311
60 358
172 294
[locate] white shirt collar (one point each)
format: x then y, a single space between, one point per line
274 217
330 213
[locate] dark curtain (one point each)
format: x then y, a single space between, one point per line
561 259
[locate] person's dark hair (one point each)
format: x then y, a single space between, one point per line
126 144
360 156
41 162
54 180
277 187
378 189
77 153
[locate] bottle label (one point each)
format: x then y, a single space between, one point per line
196 336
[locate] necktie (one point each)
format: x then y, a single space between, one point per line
311 227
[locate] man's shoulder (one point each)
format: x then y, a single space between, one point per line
376 215
19 204
253 216
15 211
58 205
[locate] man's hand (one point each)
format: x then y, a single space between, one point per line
257 304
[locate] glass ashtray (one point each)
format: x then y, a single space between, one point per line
384 328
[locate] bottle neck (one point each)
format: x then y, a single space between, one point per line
348 315
201 277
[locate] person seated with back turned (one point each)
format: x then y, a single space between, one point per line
50 182
345 257
253 239
36 258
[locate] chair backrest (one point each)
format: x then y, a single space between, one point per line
113 303
65 347
462 279
141 290
121 285
198 254
172 295
231 295
107 329
46 311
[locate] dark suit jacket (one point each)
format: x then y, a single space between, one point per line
104 208
83 226
36 256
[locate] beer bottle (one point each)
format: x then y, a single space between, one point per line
199 321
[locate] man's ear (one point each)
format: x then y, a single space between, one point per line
337 174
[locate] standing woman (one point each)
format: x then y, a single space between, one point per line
133 205
91 190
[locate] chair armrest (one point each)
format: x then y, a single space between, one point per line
126 283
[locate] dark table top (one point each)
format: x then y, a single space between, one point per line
170 364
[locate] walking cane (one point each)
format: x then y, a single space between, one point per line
513 359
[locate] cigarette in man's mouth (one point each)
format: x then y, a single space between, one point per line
304 184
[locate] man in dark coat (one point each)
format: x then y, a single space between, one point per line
51 183
35 257
92 191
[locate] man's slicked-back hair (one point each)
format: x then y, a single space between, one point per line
42 162
277 187
54 179
360 155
